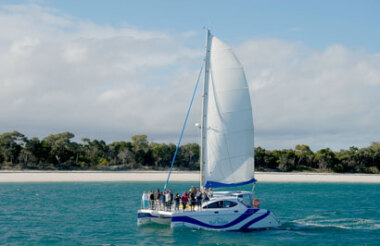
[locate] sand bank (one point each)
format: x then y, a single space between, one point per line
160 176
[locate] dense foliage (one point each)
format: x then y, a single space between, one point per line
58 151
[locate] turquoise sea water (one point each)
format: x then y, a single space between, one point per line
105 214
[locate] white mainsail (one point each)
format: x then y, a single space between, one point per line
227 139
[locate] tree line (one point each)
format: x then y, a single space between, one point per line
59 152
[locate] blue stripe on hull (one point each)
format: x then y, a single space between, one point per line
214 184
247 214
246 226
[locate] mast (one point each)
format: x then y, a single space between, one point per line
204 106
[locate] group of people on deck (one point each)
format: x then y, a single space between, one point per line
164 200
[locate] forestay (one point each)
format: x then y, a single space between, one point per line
228 145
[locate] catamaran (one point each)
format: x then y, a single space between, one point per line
227 152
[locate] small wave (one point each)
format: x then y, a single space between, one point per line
318 221
311 217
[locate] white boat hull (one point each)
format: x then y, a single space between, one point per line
250 219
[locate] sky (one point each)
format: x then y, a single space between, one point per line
112 69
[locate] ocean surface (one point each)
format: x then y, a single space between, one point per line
105 214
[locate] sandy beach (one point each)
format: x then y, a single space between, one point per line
184 176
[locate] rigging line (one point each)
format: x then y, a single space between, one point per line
184 125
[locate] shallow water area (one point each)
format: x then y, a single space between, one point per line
105 213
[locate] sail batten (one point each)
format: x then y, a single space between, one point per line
228 128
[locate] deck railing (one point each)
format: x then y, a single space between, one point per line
159 206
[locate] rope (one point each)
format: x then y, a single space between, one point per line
183 127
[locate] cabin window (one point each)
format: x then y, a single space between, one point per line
229 204
213 205
221 204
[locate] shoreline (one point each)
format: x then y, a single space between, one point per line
176 176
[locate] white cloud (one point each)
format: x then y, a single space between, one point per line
75 54
326 98
24 46
59 73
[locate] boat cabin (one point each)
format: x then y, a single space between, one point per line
225 199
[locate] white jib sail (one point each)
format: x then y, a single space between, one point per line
229 146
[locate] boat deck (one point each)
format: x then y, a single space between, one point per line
171 210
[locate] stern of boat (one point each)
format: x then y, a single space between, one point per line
145 216
265 220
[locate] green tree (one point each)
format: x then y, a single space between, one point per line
120 153
11 144
188 156
304 156
140 142
32 153
61 148
287 160
368 159
143 155
162 154
375 147
347 159
96 152
272 159
325 159
260 158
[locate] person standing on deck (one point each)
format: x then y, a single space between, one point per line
157 197
189 198
162 200
151 197
168 200
145 199
198 196
184 200
177 198
192 200
193 189
171 197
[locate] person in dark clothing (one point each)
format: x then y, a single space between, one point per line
171 196
192 200
151 198
157 197
162 200
177 199
199 198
